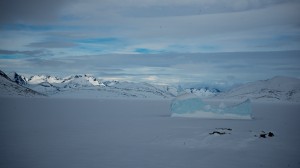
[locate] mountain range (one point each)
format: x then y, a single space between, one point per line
87 86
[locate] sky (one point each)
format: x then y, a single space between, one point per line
158 41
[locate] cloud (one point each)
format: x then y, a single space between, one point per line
33 53
168 68
52 44
152 26
152 39
215 30
146 51
99 40
167 8
36 11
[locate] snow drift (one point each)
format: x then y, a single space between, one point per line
188 105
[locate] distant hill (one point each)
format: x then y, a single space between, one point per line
279 88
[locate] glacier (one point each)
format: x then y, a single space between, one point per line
189 105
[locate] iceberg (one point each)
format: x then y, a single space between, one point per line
189 105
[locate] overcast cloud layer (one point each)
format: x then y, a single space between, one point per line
46 34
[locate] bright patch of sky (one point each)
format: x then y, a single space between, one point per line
44 34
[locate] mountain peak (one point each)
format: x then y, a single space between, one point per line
21 80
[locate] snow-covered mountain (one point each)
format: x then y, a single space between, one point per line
278 88
37 79
87 86
71 81
19 79
12 88
203 92
51 85
142 90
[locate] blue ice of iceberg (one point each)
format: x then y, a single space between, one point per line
188 105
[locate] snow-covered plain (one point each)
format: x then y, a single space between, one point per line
48 132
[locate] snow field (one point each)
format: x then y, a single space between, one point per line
140 133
